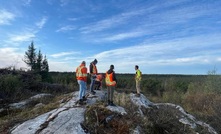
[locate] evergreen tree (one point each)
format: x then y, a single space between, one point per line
44 71
30 56
39 63
45 66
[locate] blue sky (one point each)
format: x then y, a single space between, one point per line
161 36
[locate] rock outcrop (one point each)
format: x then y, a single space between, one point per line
25 103
69 118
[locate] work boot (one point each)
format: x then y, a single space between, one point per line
137 95
98 89
112 104
84 98
93 92
81 102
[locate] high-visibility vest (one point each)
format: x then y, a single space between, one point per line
94 70
138 75
109 80
81 75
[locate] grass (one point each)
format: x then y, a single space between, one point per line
18 116
204 105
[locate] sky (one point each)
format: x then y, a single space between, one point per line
160 36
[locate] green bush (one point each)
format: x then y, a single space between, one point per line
213 83
151 86
9 84
173 97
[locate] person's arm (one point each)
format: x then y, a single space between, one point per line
76 72
91 68
114 77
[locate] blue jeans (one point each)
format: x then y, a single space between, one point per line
92 83
82 88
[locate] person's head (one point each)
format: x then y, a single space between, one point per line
136 67
95 61
83 62
111 66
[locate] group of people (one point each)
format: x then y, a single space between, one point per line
96 79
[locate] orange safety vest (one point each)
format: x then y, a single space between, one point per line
94 71
81 73
109 79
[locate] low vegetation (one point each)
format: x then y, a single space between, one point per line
197 94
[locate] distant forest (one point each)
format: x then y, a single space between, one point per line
154 84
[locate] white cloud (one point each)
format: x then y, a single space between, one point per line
183 61
111 22
6 17
61 54
59 66
183 51
181 15
66 28
71 58
122 36
41 23
26 36
219 59
11 57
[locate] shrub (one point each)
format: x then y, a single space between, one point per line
152 86
9 84
213 83
200 102
173 97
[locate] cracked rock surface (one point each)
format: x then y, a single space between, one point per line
65 119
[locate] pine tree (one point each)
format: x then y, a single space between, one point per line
30 56
45 66
44 71
39 62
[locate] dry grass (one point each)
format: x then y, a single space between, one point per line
120 124
206 106
202 104
95 121
18 116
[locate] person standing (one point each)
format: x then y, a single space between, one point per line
138 77
93 73
81 75
111 82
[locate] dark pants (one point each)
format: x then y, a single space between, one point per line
92 83
110 92
97 85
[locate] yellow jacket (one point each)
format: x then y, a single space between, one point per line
138 75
